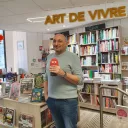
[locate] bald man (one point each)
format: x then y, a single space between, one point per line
61 90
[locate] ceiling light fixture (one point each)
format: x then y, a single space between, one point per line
36 19
48 29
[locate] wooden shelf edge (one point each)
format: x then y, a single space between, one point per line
6 126
49 124
94 107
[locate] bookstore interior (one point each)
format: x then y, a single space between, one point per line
97 33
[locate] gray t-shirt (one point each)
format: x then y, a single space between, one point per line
59 87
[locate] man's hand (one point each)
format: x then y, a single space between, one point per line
57 70
46 97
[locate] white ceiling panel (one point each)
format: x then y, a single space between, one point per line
5 12
5 0
87 2
92 2
21 6
53 4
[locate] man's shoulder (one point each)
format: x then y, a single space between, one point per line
50 55
71 54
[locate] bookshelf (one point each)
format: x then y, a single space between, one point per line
73 44
109 52
89 95
100 57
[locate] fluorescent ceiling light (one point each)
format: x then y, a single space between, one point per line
36 19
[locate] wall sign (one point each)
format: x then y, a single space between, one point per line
114 12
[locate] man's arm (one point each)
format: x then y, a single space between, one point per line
76 77
46 90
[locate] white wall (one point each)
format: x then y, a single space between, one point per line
16 58
9 50
34 40
21 60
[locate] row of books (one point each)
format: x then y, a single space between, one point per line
88 88
109 68
88 61
109 102
73 48
108 58
109 33
89 38
110 92
93 89
109 45
93 37
72 39
88 50
94 100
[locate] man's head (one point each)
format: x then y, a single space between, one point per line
59 43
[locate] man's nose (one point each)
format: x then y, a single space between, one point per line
56 43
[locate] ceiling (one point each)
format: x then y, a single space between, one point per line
14 13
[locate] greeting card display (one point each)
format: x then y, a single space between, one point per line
9 117
15 91
26 121
27 84
36 95
2 112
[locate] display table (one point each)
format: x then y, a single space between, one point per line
31 108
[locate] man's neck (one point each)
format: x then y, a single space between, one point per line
58 53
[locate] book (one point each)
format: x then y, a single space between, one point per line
36 95
46 117
27 84
2 112
9 117
26 121
15 91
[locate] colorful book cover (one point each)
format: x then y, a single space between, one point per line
46 117
27 84
9 117
26 121
15 91
2 112
36 95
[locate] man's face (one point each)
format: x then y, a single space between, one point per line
59 43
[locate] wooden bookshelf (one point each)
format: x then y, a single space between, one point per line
89 95
109 51
93 107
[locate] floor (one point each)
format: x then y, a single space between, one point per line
91 119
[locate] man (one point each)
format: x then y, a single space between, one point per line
61 90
